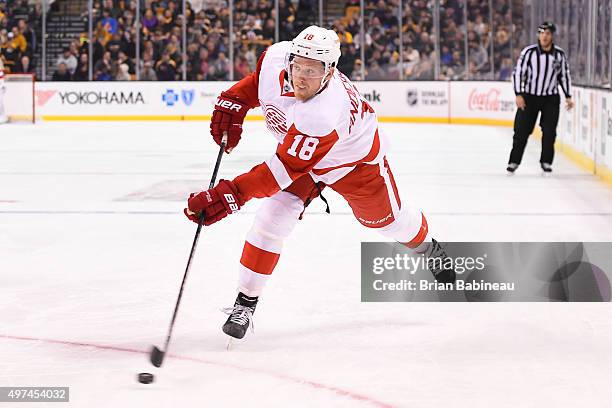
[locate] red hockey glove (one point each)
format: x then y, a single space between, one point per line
227 117
216 203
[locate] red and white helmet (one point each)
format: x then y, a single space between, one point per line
316 43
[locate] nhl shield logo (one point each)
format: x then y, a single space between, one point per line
412 97
187 95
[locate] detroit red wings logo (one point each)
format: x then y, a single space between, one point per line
275 119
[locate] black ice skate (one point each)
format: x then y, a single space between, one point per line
240 316
511 168
436 260
546 168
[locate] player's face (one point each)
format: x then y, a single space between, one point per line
545 38
306 75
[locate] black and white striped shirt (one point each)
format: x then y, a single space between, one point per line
540 73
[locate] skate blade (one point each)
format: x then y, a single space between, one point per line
546 174
230 343
509 173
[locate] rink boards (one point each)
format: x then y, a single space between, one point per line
585 133
430 102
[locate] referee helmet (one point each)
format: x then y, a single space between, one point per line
547 25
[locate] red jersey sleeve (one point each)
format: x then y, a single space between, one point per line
296 156
246 90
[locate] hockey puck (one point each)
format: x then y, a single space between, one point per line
145 378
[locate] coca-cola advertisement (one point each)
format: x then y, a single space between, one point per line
489 100
483 102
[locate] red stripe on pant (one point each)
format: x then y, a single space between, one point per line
420 236
395 192
258 260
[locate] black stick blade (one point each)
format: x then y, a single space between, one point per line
156 356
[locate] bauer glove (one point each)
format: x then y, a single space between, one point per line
216 203
228 116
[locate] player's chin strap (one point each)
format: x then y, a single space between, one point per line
323 84
325 78
324 81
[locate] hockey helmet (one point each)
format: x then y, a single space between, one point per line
547 25
315 43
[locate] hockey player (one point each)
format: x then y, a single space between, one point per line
327 136
3 117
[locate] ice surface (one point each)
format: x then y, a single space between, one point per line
93 245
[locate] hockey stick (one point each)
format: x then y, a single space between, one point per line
157 356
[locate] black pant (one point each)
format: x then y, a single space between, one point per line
524 123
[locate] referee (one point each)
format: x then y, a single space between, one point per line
540 69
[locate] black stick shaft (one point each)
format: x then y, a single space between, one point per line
194 245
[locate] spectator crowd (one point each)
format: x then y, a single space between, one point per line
19 35
398 43
488 34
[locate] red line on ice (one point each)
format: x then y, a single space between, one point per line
313 384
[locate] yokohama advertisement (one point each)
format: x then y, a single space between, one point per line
493 101
173 100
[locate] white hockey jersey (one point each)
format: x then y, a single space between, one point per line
325 136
